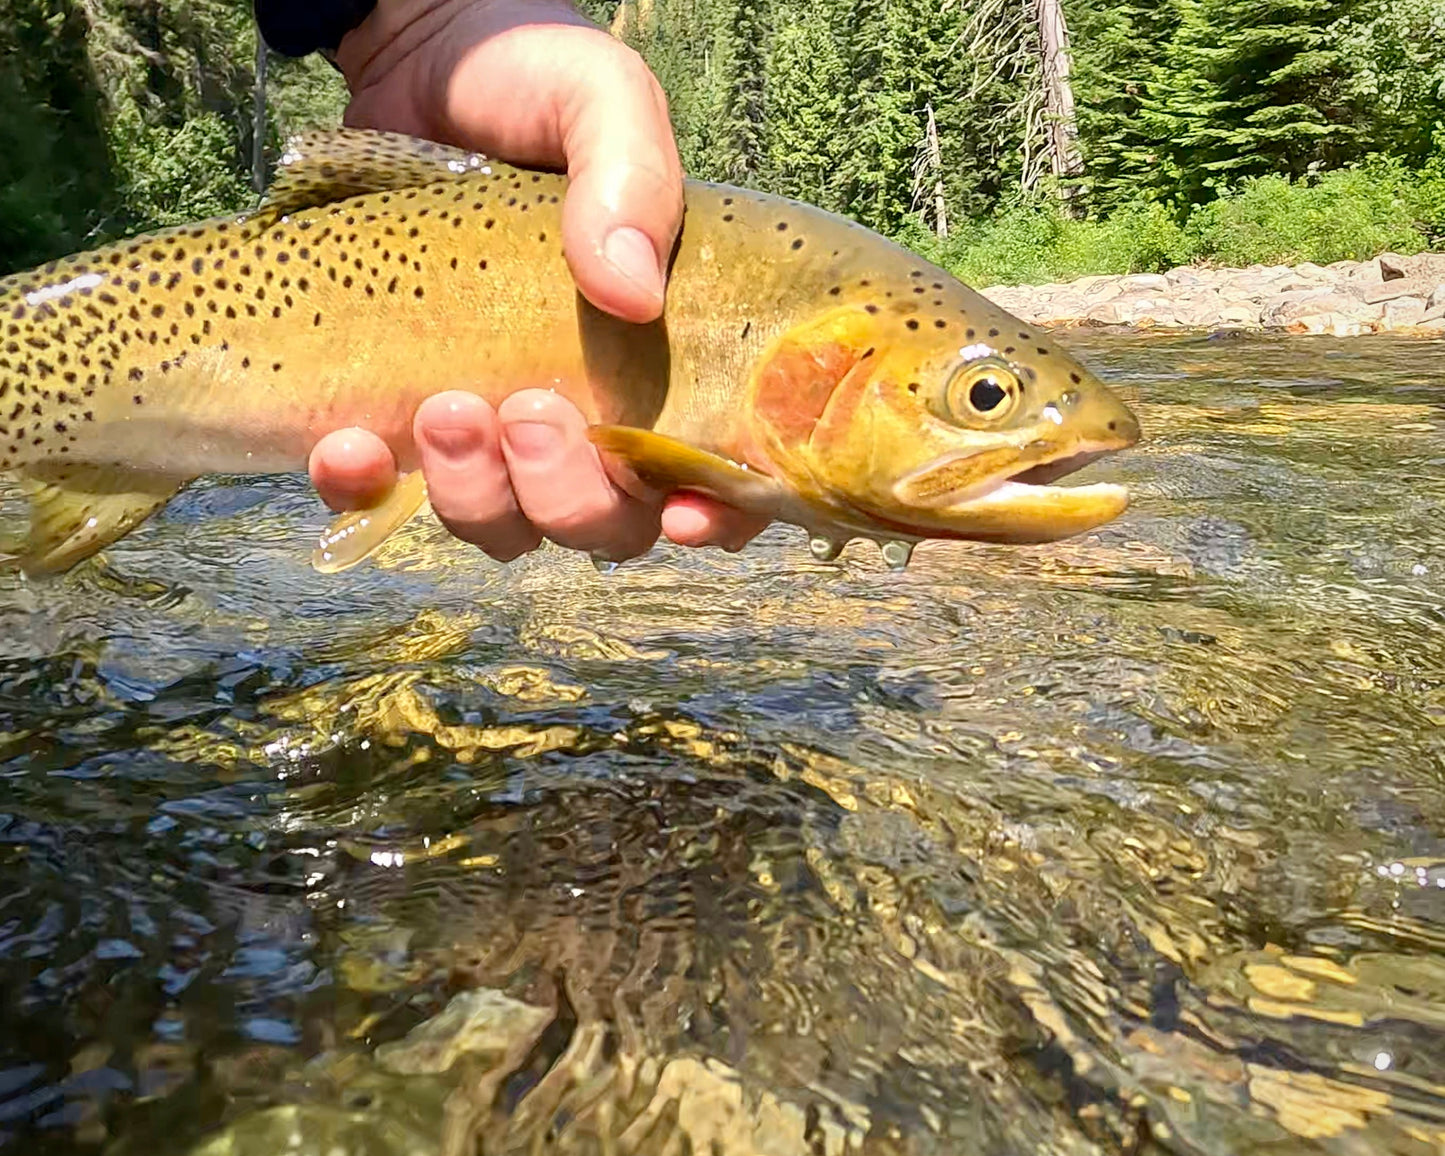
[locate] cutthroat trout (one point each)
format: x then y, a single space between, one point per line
805 367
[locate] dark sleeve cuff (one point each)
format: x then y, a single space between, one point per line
300 27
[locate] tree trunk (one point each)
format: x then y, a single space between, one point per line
258 120
931 164
1062 128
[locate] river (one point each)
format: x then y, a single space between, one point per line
1134 843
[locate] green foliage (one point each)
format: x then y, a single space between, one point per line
171 175
56 184
1397 52
118 116
1348 214
1033 240
1119 50
303 94
1251 87
805 149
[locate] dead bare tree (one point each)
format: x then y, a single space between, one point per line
1065 160
929 164
258 120
1025 45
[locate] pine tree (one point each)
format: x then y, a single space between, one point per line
1119 53
1253 87
806 87
737 151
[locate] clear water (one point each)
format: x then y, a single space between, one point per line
1130 844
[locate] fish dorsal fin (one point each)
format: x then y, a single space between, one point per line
78 510
324 166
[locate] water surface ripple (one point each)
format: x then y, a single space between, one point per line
1129 844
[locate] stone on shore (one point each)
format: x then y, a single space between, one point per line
1389 293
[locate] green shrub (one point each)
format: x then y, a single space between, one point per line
172 175
1348 214
1033 240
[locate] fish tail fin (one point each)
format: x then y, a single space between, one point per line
78 510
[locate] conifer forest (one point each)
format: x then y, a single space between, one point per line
1003 137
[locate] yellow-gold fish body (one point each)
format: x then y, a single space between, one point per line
804 367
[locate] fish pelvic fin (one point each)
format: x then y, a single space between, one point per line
667 464
78 510
357 534
325 166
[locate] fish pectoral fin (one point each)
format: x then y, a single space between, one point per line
357 534
78 510
667 464
328 165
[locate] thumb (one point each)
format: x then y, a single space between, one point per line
624 201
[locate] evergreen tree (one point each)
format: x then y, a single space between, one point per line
1252 87
1119 54
806 87
736 149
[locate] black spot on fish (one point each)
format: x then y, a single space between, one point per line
798 243
1041 351
912 323
1076 379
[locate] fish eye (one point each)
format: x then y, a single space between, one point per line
983 389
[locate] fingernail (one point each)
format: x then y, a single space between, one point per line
630 252
455 443
533 439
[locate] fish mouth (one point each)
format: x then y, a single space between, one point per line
1024 508
1042 475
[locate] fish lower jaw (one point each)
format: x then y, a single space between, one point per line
1038 475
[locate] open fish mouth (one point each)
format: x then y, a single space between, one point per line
1042 475
1023 508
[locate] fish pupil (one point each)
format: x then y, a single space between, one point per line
986 395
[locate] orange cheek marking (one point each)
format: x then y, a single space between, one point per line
842 407
794 387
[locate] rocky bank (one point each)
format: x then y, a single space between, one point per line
1387 294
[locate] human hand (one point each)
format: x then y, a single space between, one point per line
530 82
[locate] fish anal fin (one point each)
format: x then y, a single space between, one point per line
321 167
78 510
667 464
357 534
